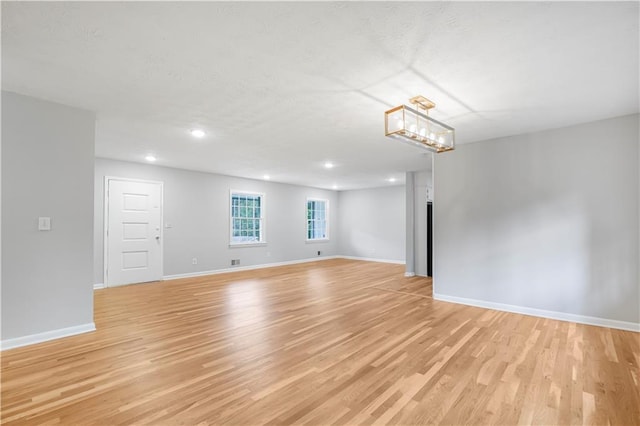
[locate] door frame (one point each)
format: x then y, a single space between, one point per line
105 225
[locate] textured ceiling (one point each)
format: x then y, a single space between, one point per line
281 88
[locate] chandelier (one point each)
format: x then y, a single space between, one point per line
413 125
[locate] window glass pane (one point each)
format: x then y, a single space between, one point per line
316 219
246 219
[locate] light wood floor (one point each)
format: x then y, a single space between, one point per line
332 342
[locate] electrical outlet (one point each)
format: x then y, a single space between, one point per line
318 252
235 262
44 224
194 261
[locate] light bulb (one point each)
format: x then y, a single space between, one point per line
197 133
400 124
413 128
423 132
432 136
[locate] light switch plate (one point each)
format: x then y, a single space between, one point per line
44 224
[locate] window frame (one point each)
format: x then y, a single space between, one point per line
326 220
263 234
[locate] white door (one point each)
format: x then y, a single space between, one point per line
133 250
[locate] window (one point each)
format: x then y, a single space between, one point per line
317 219
247 218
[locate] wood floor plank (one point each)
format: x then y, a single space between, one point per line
330 342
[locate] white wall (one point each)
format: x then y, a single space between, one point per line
197 207
545 221
47 170
371 223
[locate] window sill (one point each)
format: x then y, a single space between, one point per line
318 241
240 245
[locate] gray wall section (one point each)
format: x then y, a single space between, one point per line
422 180
410 224
416 229
371 223
547 220
197 207
47 170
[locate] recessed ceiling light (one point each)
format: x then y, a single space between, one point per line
150 158
391 179
335 187
197 133
266 177
328 165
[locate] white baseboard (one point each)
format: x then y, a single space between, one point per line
562 316
369 259
99 286
46 336
272 265
246 268
409 274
